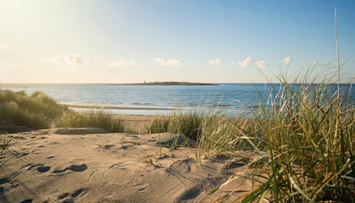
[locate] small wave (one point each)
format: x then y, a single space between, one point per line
138 103
89 106
224 105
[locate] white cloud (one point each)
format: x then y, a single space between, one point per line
77 60
7 67
169 62
58 59
249 61
287 60
216 62
121 63
262 64
233 63
246 63
70 59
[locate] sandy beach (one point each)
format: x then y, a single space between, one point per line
92 165
150 101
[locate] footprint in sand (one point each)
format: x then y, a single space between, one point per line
64 195
27 201
43 169
77 193
75 168
39 167
4 180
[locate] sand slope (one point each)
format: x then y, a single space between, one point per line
91 165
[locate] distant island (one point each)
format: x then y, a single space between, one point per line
167 83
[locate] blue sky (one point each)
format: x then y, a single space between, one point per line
164 40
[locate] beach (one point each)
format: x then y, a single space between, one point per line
177 101
93 165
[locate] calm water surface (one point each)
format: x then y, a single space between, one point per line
232 97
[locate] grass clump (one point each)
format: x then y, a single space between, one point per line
93 119
158 125
39 111
208 129
35 111
13 114
308 145
188 124
37 102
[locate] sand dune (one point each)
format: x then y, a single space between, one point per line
91 165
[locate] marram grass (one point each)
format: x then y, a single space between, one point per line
211 132
36 111
39 111
306 146
304 135
99 119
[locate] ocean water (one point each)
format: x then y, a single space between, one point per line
153 100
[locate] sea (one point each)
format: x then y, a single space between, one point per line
231 98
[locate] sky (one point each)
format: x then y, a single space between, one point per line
219 41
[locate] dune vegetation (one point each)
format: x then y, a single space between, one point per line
304 141
39 111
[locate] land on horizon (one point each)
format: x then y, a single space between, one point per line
167 83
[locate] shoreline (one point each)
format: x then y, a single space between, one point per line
89 106
231 111
167 83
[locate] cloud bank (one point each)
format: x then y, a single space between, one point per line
77 60
169 62
70 59
216 62
121 63
249 62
